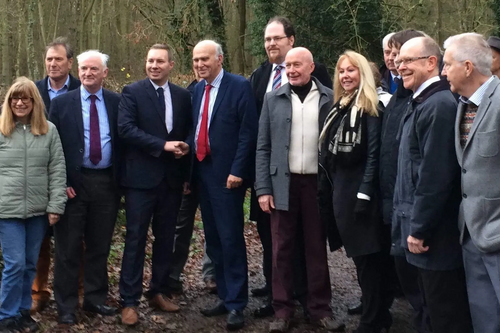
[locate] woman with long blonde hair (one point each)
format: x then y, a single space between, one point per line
349 150
32 195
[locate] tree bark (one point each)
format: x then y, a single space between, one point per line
6 67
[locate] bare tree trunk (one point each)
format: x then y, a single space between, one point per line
242 23
100 27
42 26
6 68
56 20
20 36
33 72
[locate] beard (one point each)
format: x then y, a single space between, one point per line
275 58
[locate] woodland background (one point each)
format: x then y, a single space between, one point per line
125 29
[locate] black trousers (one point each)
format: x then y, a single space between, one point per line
374 282
162 205
90 217
445 294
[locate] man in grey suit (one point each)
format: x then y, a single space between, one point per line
286 187
467 63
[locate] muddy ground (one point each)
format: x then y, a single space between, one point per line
345 291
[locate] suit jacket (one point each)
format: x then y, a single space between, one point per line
480 161
272 167
233 128
43 88
66 114
141 126
260 79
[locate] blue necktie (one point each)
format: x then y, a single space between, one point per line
277 77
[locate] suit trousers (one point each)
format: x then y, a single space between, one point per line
162 205
408 278
89 217
373 278
222 214
183 235
303 209
482 272
445 294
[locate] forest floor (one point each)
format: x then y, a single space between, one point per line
345 291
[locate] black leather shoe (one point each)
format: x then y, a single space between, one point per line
260 292
101 309
217 310
27 323
67 319
355 309
10 325
235 320
264 311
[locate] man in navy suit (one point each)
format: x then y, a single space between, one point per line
86 121
224 141
58 62
153 121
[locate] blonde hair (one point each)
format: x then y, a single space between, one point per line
24 87
366 98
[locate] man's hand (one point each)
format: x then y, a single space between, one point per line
185 188
266 203
416 245
53 218
70 192
179 148
233 182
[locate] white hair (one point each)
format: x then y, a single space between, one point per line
473 47
93 53
386 39
218 47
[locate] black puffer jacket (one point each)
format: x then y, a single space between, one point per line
389 146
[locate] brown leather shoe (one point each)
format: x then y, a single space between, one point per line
163 303
129 316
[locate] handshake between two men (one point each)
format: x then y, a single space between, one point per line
179 148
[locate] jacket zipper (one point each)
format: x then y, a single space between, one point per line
25 173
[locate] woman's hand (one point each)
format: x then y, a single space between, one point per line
53 218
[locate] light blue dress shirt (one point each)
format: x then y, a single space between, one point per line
54 93
103 130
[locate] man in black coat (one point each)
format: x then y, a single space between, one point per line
58 62
427 190
279 38
86 121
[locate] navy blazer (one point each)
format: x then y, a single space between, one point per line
233 128
66 114
43 88
141 126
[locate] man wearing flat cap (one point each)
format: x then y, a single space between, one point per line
494 43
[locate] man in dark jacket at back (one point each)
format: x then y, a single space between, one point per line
279 38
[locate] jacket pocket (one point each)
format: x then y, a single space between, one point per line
491 211
273 169
487 143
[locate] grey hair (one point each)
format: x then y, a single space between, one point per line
386 39
218 47
473 47
93 53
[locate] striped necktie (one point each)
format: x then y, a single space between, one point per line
277 77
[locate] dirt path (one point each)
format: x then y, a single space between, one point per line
344 290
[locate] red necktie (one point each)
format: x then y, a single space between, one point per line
202 147
95 136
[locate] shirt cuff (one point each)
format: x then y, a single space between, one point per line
363 196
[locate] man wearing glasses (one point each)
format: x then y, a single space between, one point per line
279 38
427 190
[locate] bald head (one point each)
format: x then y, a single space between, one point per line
299 66
207 59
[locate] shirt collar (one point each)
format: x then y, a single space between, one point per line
216 82
276 65
425 85
477 96
165 86
86 94
66 84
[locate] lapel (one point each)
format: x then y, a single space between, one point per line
285 92
176 105
77 112
154 99
220 93
45 93
481 111
196 102
458 120
264 79
109 111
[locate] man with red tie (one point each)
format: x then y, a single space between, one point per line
86 121
224 139
154 119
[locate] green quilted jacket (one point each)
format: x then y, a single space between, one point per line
32 173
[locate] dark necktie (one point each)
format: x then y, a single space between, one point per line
277 77
95 136
161 98
202 147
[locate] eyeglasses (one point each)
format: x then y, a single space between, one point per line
24 100
406 61
276 39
